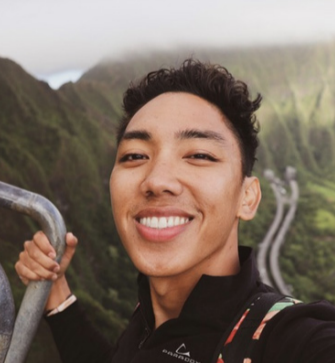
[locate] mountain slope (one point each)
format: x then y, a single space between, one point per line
53 147
61 144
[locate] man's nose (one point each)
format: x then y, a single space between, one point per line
161 178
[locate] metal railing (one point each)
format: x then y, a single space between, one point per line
15 342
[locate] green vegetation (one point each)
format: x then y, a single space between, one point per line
61 144
325 220
326 190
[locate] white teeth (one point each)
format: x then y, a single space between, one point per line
170 222
153 222
163 222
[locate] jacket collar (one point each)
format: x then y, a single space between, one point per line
215 299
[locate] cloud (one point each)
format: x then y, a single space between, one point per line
56 80
49 36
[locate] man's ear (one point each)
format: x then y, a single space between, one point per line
251 197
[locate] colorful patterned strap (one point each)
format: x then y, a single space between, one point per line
247 331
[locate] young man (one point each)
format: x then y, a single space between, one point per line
181 182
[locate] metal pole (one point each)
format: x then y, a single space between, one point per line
280 239
7 314
34 300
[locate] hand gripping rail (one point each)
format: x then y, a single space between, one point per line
14 350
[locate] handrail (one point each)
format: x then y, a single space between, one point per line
7 314
36 295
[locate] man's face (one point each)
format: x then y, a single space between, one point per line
176 188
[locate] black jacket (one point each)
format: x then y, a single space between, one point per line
302 333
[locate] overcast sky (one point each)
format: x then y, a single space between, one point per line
69 36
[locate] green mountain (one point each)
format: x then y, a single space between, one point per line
58 149
61 144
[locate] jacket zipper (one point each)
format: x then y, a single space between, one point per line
145 337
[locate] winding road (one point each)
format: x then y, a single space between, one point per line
269 248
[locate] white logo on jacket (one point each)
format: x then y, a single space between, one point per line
181 353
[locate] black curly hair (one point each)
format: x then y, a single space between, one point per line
211 82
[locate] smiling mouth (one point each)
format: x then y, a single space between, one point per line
163 222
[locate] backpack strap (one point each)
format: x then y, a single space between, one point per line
240 338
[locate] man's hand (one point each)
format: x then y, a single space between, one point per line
37 262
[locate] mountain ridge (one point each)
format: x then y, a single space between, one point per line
61 143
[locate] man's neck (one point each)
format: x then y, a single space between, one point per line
168 294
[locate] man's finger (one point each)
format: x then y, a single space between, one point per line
25 273
37 255
70 249
71 239
37 268
41 240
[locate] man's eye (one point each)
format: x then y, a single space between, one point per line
201 156
132 157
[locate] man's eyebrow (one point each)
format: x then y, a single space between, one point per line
200 134
136 135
